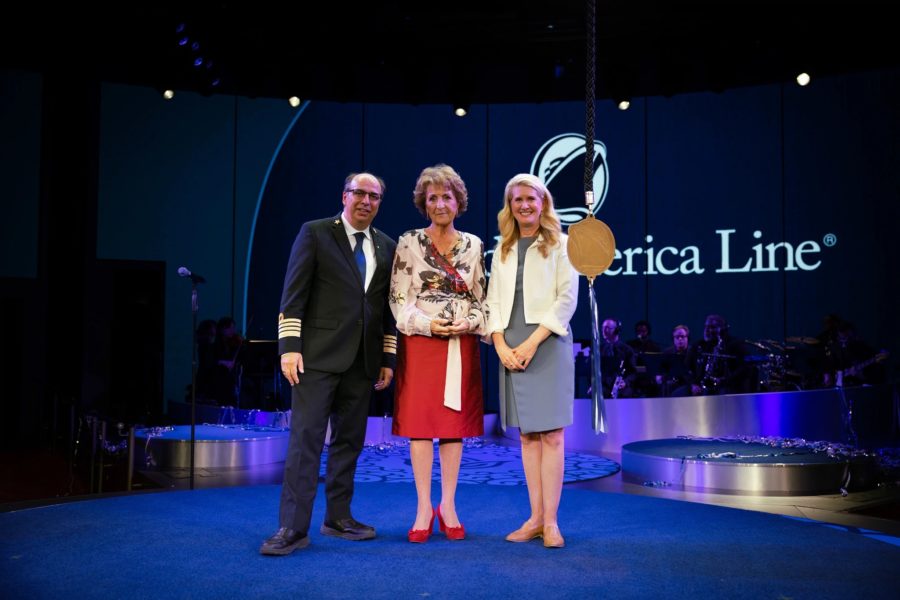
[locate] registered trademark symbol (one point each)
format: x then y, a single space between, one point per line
829 240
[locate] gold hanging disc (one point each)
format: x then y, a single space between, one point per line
591 246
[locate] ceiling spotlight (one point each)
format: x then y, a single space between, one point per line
168 94
460 110
803 79
624 104
294 101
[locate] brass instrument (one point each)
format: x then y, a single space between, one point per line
619 382
715 371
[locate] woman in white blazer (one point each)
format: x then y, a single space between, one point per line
532 294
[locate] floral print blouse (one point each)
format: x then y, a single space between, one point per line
426 285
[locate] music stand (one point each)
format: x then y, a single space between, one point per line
668 365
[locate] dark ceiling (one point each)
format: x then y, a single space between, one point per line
431 52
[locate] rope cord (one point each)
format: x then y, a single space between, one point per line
589 94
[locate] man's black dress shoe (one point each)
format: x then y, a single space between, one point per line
349 529
284 542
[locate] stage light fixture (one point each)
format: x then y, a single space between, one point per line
460 110
624 104
803 79
294 101
168 94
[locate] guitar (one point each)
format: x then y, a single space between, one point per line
858 368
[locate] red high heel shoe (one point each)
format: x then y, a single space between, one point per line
452 533
420 536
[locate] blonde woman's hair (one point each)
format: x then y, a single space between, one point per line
549 227
444 176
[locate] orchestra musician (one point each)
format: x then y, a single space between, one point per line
850 361
644 385
619 362
642 341
678 351
716 363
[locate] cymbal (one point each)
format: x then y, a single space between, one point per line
800 339
756 345
717 355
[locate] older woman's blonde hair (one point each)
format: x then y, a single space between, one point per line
444 176
549 227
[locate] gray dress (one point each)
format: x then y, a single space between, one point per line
541 397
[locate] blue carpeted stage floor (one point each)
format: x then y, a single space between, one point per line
204 544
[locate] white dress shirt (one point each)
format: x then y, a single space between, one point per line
368 248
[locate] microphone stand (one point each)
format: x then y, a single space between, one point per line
194 309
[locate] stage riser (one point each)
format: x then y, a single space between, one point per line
769 480
214 448
770 468
810 414
214 455
223 447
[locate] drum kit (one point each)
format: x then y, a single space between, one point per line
794 364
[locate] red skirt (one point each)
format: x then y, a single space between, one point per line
419 410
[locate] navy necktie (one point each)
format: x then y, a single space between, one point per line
359 256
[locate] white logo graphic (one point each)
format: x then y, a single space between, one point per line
555 155
558 152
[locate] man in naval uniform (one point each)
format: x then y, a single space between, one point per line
336 338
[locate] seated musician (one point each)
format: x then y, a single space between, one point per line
618 381
644 385
850 361
716 363
668 383
642 341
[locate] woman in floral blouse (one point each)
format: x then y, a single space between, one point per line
437 294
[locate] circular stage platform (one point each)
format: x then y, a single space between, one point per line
217 446
739 467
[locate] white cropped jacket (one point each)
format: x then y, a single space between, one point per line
550 287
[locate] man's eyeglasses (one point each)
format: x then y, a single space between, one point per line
361 194
679 335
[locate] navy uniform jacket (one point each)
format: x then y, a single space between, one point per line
324 309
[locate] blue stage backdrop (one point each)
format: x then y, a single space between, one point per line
771 205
